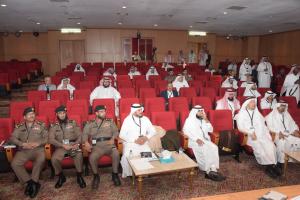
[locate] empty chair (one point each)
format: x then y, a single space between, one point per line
189 93
47 108
87 85
142 84
265 112
78 107
146 93
125 104
82 94
198 85
209 92
127 92
110 106
155 104
17 109
6 128
62 95
205 102
36 96
167 120
153 79
124 83
123 77
178 104
291 101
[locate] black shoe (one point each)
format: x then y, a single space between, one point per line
28 188
35 189
116 179
96 181
214 176
237 158
60 181
80 181
277 170
270 172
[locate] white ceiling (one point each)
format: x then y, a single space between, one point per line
259 17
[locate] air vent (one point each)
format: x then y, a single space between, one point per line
74 18
211 18
201 22
290 23
60 1
236 8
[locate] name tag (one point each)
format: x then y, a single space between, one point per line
66 141
94 141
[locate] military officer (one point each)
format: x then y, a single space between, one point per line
98 137
30 136
65 135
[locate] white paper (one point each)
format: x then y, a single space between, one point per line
275 195
296 198
141 164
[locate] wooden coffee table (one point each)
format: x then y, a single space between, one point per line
290 154
182 163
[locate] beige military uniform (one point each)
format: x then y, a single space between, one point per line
99 133
68 133
37 133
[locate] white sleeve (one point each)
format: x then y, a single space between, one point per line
207 127
260 67
93 95
124 132
150 129
189 132
242 125
117 95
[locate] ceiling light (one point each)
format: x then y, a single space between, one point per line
229 35
155 25
124 7
225 13
38 23
78 23
70 30
21 31
191 26
3 5
120 23
270 31
197 33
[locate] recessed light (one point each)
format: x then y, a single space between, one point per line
38 23
120 23
124 7
21 31
78 23
191 26
3 5
229 35
155 25
225 13
270 31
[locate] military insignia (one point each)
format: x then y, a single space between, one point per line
69 126
19 125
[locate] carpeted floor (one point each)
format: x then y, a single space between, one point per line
247 175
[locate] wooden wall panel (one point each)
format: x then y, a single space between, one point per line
1 49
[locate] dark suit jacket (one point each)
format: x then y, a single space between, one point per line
164 94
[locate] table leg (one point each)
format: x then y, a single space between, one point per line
133 178
140 186
286 159
191 178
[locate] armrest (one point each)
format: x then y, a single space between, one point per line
184 140
85 153
48 151
119 144
10 152
215 137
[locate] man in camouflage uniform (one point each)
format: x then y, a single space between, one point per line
101 132
30 137
65 135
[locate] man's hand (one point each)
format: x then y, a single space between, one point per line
253 136
296 133
27 146
281 136
87 147
75 146
67 147
199 142
141 140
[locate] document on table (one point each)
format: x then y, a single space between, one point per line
141 164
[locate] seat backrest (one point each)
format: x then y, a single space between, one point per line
110 106
78 107
189 93
265 112
17 109
221 120
127 92
77 119
47 108
183 116
90 85
62 95
209 92
155 104
146 93
36 96
178 104
205 102
82 94
124 84
167 120
125 104
291 101
6 128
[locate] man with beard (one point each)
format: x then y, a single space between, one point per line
101 132
229 101
65 135
30 136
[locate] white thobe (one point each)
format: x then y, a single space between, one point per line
109 74
131 74
207 155
203 57
232 67
149 73
192 58
168 59
130 131
275 124
70 87
263 148
289 86
264 75
227 84
244 69
264 104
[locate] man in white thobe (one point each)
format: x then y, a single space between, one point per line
151 72
230 82
66 85
133 72
249 79
250 122
110 72
265 73
291 85
245 69
286 131
192 57
79 68
106 91
180 82
181 58
196 128
251 90
135 132
232 67
229 102
202 58
269 101
168 57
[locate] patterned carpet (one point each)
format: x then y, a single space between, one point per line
247 175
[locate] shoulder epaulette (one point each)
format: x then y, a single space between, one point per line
20 124
108 119
40 122
54 124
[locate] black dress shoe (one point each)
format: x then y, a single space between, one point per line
116 179
96 181
80 181
237 158
35 189
214 176
270 172
277 170
60 181
28 188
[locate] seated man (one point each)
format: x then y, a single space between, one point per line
135 132
230 82
151 72
249 79
65 135
180 82
252 124
47 85
133 72
110 72
79 68
229 102
170 77
232 67
65 85
187 76
251 90
196 128
101 132
286 131
30 137
269 101
106 91
291 85
169 93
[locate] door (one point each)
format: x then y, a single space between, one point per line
71 51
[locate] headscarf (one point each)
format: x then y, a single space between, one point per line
177 84
135 107
105 79
224 101
249 92
150 73
234 84
79 68
283 89
268 94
